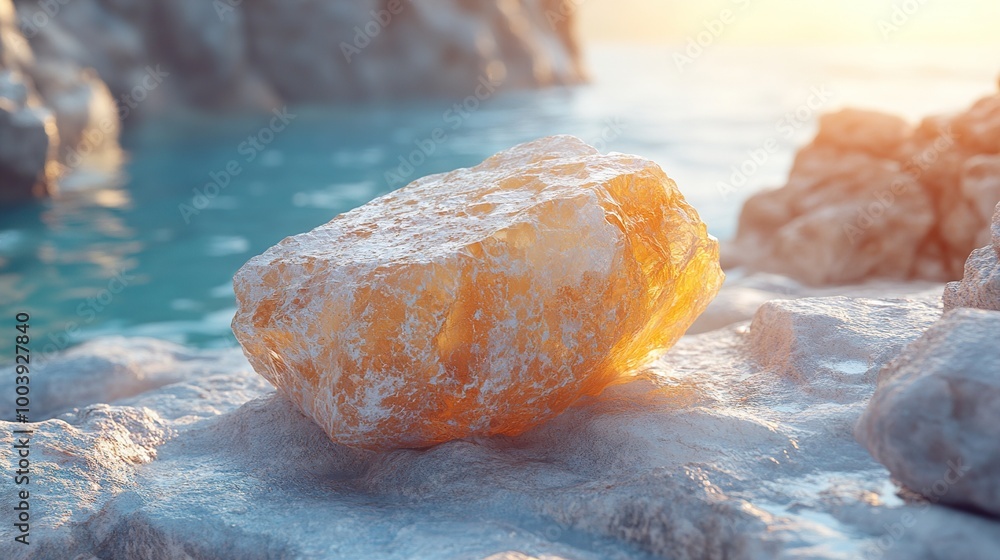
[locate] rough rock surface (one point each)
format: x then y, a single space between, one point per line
117 369
980 287
55 116
802 338
872 197
482 301
232 54
933 421
707 454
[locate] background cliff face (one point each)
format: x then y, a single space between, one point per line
51 108
166 56
226 54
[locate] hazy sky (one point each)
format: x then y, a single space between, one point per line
793 21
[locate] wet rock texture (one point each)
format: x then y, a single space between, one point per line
482 301
231 54
714 451
934 418
873 197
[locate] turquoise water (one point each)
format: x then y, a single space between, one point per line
147 254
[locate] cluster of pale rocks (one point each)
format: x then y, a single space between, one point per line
875 197
792 421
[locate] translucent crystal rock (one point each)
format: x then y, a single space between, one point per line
482 301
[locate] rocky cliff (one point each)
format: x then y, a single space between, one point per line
166 55
54 114
235 54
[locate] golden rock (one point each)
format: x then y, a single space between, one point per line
482 301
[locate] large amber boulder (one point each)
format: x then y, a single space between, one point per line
478 302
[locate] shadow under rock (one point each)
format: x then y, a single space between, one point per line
565 485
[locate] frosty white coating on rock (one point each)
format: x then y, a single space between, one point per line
706 455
